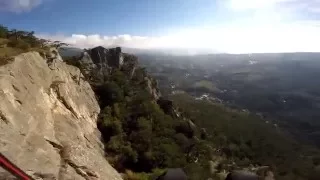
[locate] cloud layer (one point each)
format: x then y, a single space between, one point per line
274 26
18 6
296 37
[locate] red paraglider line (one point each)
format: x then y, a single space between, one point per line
14 170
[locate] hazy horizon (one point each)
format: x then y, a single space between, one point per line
209 26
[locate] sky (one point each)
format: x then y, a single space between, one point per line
229 26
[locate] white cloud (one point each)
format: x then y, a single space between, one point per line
19 6
272 27
296 37
255 4
304 6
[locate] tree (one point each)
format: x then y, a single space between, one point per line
185 128
3 31
43 42
30 34
21 34
58 44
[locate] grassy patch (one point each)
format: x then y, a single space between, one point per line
10 51
130 175
207 85
3 41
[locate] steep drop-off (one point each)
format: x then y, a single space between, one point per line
48 120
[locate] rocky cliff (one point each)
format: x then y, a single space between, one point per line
48 115
98 63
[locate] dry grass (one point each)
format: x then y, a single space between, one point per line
5 60
44 50
6 49
3 41
10 51
6 52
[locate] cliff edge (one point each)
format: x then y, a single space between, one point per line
48 120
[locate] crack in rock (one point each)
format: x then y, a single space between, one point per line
55 87
64 152
83 171
44 176
4 118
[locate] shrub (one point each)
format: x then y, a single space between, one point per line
13 43
184 128
3 42
129 175
182 140
109 93
5 60
19 44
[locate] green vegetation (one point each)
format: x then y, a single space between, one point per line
129 175
143 136
138 135
246 139
206 85
14 42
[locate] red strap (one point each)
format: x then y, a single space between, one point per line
14 170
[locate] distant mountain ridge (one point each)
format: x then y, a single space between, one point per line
73 51
202 53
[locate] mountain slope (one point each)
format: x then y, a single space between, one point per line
143 132
247 139
53 111
48 124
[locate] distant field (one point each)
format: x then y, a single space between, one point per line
206 84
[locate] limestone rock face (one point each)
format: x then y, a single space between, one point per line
97 63
48 120
153 88
107 57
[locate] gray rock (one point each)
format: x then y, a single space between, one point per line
152 88
97 63
48 121
107 57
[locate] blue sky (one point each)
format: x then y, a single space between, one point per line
234 26
139 17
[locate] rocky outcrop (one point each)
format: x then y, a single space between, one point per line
48 117
152 87
107 57
89 69
130 63
97 63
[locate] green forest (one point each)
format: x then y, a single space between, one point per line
246 139
143 136
139 136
